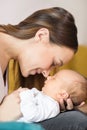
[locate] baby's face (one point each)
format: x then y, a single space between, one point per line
53 85
63 80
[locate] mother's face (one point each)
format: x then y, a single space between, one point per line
39 55
40 58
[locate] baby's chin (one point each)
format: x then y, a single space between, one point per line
43 90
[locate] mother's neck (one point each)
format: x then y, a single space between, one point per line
6 50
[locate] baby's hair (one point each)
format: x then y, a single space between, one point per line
78 96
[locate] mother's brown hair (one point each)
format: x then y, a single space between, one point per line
58 21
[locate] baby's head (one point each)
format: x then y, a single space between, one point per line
65 84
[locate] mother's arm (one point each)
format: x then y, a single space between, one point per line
82 108
68 105
10 107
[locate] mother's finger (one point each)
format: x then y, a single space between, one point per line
62 105
69 104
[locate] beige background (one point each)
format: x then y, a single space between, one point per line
13 11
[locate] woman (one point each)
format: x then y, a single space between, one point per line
49 33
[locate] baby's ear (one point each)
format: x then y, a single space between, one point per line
62 95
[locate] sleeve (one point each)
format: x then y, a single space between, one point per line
28 104
37 109
47 108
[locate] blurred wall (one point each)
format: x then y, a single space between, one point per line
13 11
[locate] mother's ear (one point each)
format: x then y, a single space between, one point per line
42 35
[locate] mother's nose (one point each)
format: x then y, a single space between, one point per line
46 73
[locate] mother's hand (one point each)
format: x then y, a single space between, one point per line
10 107
68 105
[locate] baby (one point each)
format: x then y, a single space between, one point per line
41 105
